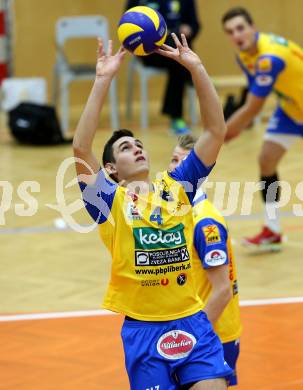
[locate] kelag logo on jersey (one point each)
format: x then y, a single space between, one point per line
151 238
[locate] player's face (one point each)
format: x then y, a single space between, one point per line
131 160
241 33
178 155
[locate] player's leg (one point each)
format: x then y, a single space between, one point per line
177 79
205 367
231 354
270 237
270 157
282 132
212 384
146 369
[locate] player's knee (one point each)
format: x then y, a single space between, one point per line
210 384
263 161
267 164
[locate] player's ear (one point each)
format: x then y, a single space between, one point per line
112 171
111 168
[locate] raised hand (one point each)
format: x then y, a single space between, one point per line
107 63
182 53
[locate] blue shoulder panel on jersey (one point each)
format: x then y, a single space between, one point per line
191 173
98 198
268 68
214 242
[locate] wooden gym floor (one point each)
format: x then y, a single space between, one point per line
47 267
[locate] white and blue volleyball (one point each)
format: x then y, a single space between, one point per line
141 30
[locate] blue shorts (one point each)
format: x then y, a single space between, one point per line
231 354
167 355
281 123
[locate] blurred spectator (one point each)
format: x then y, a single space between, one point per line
181 17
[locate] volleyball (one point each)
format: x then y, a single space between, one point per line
141 30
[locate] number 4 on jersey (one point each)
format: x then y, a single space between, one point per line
156 216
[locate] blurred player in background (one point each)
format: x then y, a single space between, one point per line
181 17
215 267
271 63
147 226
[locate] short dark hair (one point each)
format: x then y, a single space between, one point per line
108 153
237 11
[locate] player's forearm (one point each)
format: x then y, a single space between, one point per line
216 304
89 120
240 120
210 105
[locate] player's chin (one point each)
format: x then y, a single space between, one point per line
142 166
244 46
142 163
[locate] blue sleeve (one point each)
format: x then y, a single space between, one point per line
268 69
191 173
210 240
98 198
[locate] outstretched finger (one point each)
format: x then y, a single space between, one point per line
110 48
176 40
100 51
121 50
184 40
121 53
164 53
167 47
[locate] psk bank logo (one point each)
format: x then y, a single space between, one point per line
142 258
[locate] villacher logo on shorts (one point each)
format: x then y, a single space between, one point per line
176 344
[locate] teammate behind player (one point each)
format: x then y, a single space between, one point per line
214 265
271 63
147 226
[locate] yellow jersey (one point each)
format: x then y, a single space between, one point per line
212 249
276 66
150 238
